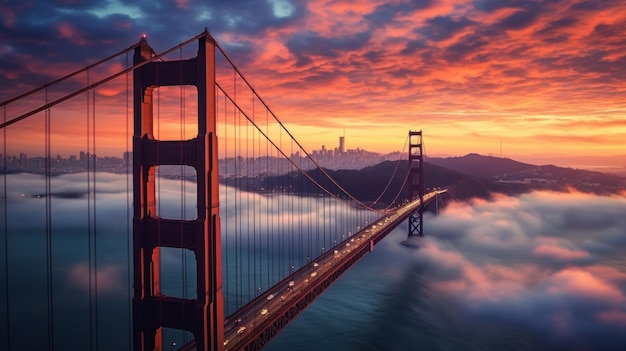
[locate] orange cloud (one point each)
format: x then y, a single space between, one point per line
183 4
109 278
560 253
578 282
8 16
69 32
613 317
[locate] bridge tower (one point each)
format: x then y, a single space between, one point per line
152 310
416 183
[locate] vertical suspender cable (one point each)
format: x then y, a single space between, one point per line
254 210
182 186
279 218
48 196
92 158
300 214
247 177
95 238
270 228
236 121
323 218
89 243
260 199
292 240
225 207
311 253
6 231
157 175
337 221
128 204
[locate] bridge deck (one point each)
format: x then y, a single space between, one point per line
254 324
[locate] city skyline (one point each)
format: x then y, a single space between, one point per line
542 79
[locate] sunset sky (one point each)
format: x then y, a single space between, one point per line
544 80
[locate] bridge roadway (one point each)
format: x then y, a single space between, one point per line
254 324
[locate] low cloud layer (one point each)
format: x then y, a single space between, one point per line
548 263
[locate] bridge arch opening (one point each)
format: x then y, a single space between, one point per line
178 272
176 192
175 112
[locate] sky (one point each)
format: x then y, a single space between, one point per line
537 81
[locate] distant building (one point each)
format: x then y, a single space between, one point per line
342 146
23 160
127 157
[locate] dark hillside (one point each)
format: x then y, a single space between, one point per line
473 176
487 167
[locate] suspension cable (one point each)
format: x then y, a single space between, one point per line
287 131
48 196
67 76
406 178
100 82
6 230
183 195
95 227
89 239
128 205
392 177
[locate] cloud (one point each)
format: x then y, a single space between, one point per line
533 262
558 252
518 20
68 32
313 44
492 5
441 28
110 279
613 317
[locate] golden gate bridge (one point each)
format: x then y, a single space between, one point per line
199 145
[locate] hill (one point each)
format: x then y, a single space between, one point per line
465 177
481 166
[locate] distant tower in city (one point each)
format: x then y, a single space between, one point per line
342 144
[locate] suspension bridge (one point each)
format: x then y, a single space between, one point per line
213 231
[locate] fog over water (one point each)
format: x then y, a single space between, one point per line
538 271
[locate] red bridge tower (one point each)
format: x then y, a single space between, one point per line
152 310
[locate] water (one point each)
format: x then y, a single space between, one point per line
541 271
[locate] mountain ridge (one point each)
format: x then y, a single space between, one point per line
465 177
